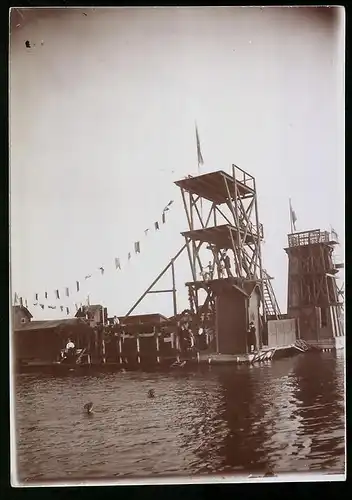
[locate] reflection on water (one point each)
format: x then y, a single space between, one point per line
287 416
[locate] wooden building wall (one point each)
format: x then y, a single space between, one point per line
231 322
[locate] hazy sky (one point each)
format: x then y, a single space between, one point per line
102 112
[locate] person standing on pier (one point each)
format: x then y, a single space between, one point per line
251 337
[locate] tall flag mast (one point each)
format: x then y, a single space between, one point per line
293 218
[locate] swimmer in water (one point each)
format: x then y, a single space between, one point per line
151 393
89 408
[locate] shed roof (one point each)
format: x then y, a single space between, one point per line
51 324
23 309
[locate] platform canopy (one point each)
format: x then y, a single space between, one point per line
212 186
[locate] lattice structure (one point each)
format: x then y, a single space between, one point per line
224 236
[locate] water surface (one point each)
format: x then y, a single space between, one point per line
287 416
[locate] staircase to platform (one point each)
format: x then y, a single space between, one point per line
269 299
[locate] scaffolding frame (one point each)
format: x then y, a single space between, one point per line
238 231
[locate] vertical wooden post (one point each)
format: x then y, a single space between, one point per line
120 349
138 349
103 349
157 340
173 287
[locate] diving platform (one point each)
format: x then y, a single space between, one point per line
243 286
218 186
225 235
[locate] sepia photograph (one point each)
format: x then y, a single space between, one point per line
177 219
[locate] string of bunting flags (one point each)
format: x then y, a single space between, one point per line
42 300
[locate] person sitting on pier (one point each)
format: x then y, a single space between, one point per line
70 348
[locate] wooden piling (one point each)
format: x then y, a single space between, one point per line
157 347
138 349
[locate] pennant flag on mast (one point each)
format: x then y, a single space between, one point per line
199 153
293 218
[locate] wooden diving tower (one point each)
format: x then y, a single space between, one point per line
224 249
313 295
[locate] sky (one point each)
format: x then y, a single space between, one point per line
102 122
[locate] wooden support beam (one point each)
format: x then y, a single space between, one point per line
155 281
